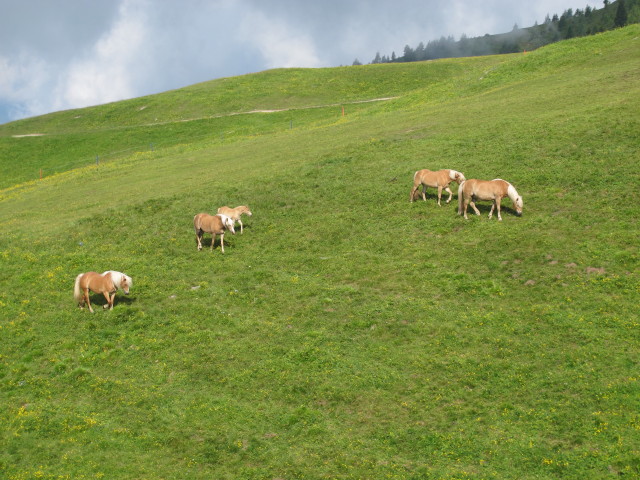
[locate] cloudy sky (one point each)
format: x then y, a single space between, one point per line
61 54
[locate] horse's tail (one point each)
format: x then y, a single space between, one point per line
77 291
415 187
460 195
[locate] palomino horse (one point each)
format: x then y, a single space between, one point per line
213 224
440 180
234 213
494 190
106 283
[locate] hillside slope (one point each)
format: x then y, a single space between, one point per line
348 333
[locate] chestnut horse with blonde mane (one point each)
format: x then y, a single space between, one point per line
106 283
494 190
213 224
440 180
234 213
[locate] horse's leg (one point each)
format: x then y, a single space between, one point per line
439 194
498 207
81 303
448 190
465 204
213 240
473 205
222 242
108 297
199 240
493 205
240 222
424 192
86 299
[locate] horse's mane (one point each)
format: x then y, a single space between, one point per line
116 277
514 195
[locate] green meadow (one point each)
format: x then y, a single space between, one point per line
348 333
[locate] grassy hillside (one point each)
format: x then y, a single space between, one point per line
347 333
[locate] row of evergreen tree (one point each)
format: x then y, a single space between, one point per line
568 25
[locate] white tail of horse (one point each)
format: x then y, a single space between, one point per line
77 291
460 197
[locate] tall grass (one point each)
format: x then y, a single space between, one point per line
347 333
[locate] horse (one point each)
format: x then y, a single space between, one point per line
213 224
440 180
106 283
494 190
234 213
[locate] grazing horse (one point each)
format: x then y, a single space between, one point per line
440 180
494 190
213 224
106 283
234 213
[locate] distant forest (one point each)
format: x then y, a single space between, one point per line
568 25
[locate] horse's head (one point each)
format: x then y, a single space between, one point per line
246 211
125 283
459 177
517 204
228 224
515 198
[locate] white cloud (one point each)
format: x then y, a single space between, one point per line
279 43
107 73
20 78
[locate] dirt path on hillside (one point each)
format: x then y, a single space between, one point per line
222 115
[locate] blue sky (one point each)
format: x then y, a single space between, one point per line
62 54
